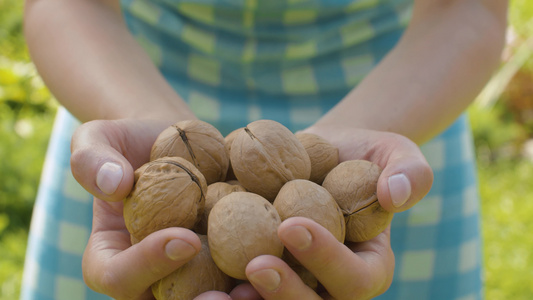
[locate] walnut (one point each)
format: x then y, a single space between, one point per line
266 155
236 182
215 192
197 276
242 226
304 198
323 155
168 192
229 140
353 184
198 142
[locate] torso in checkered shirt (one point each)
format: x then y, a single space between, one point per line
235 61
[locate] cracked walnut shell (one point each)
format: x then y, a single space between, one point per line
266 155
229 140
323 155
198 142
168 192
353 184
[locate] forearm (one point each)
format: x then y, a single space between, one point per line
442 61
92 64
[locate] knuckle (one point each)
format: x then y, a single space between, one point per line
110 284
78 164
78 157
103 279
324 263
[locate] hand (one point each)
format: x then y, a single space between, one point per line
406 177
104 155
112 266
352 270
107 260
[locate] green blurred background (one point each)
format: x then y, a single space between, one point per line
502 120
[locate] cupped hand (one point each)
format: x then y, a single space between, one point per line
351 270
112 266
104 157
346 271
105 154
406 177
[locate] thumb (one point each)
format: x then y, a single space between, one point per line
105 154
129 273
405 180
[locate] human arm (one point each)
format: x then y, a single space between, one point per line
442 61
93 65
426 81
348 156
95 68
346 270
444 58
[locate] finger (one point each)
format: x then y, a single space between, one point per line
125 274
368 273
213 295
105 153
406 177
274 279
245 291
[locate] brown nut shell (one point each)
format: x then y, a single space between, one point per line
304 198
215 192
168 192
323 155
197 276
228 142
235 182
266 155
198 142
242 226
353 184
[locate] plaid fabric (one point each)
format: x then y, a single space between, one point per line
437 243
290 61
60 227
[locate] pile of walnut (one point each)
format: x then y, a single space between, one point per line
235 191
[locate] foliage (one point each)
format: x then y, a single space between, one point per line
521 22
26 116
520 13
503 132
12 250
11 38
506 191
496 135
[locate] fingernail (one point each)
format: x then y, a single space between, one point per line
400 189
109 177
266 279
179 250
298 237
